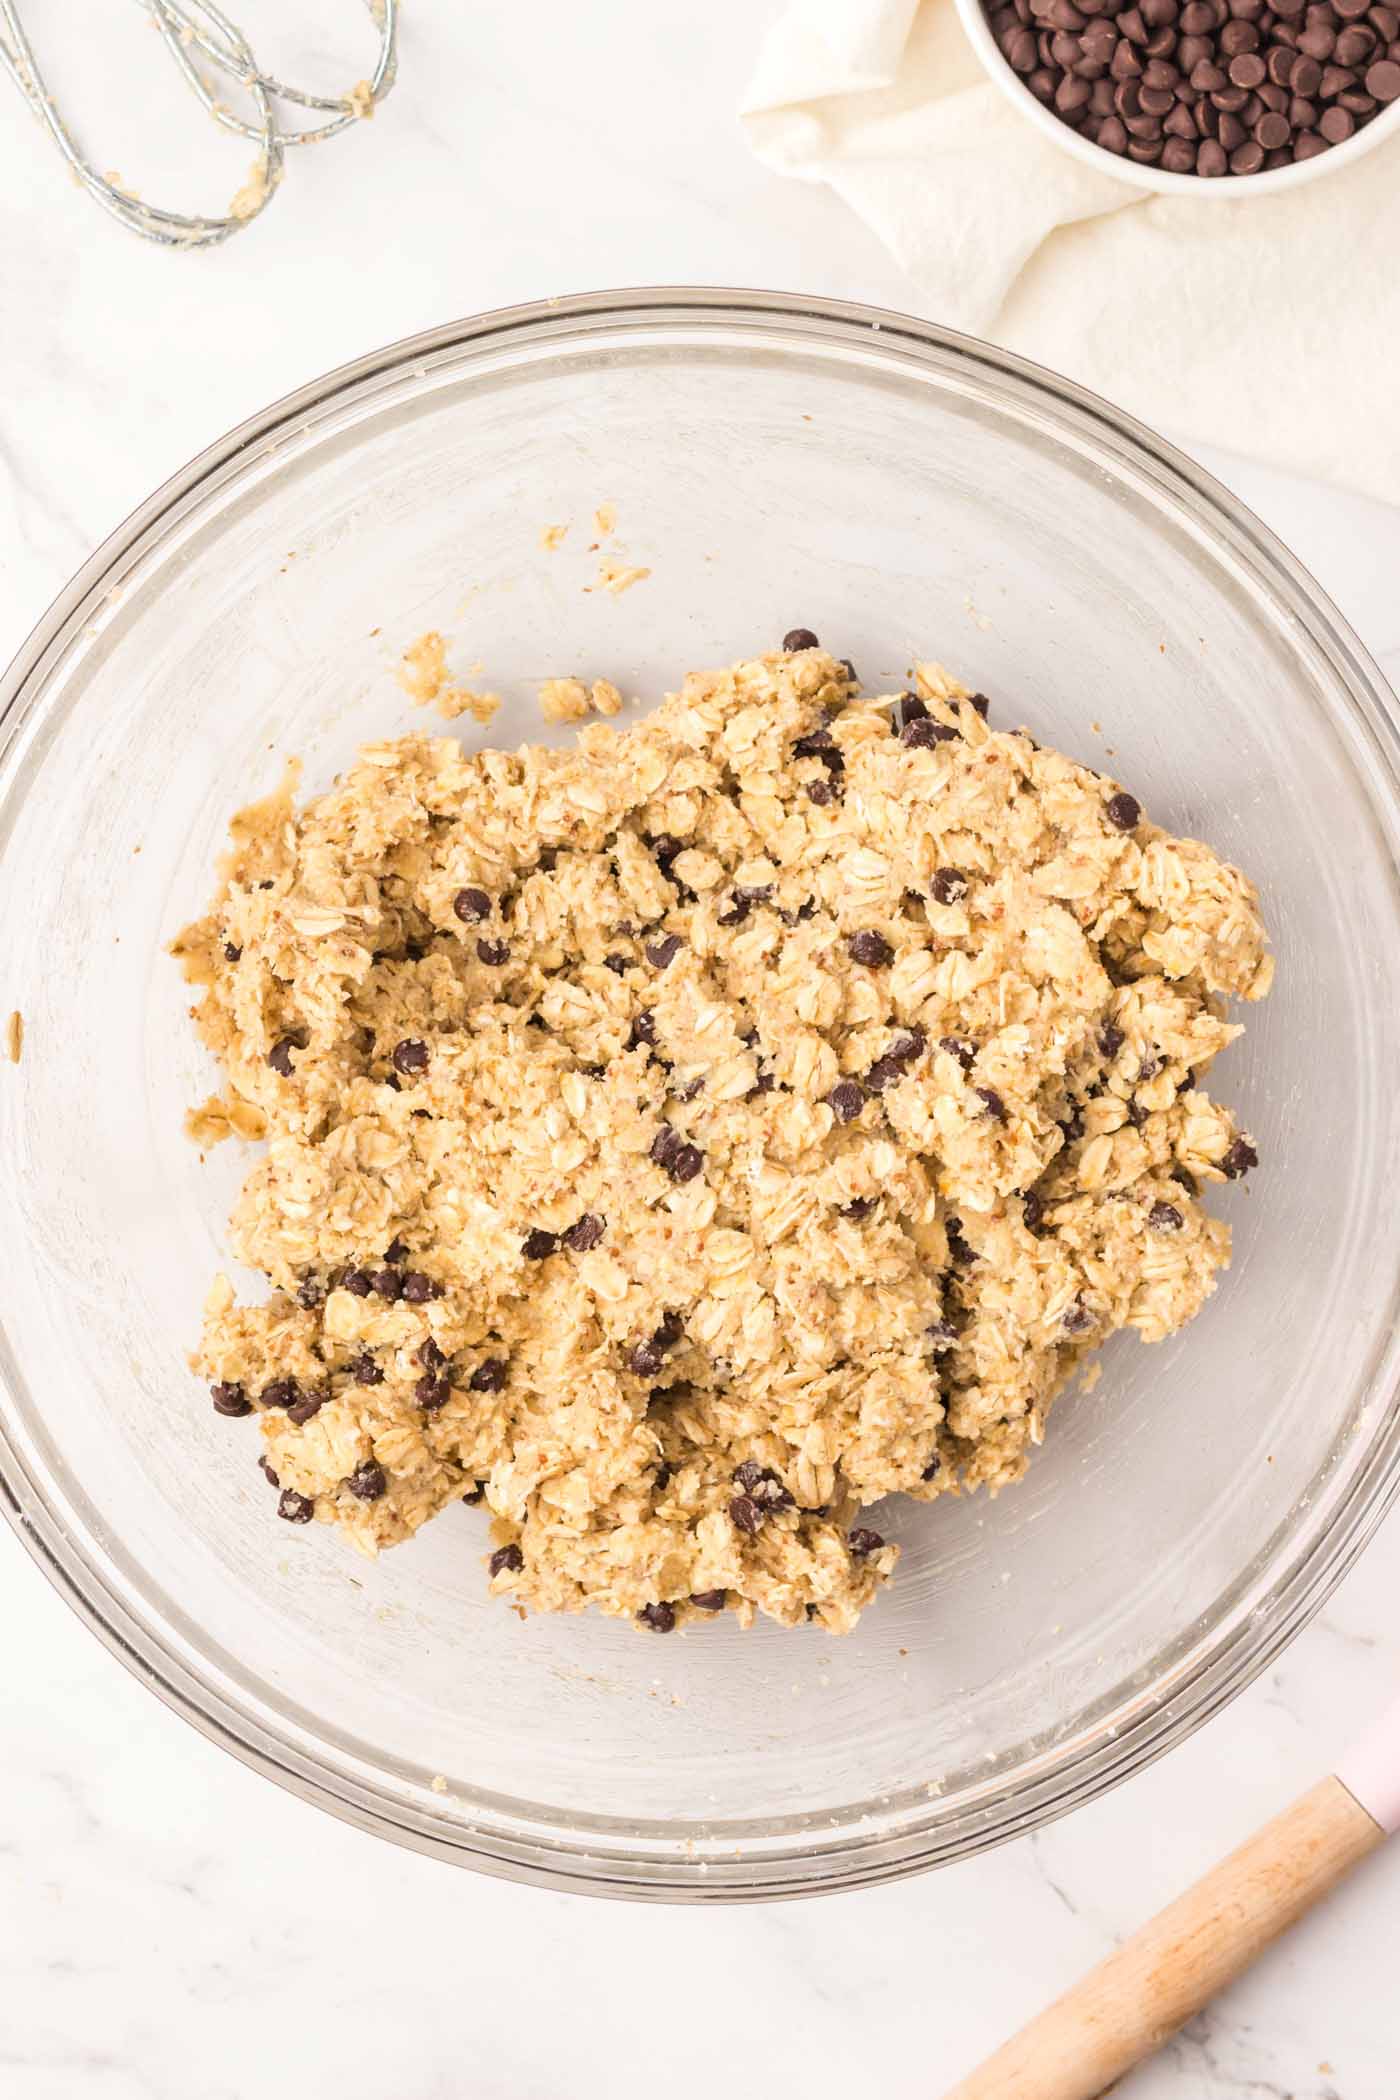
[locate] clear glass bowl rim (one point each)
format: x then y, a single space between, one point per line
1307 1565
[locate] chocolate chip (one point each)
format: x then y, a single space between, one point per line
762 1485
365 1371
358 1282
1239 1159
410 1055
307 1405
949 885
429 1354
506 1559
396 1252
745 1515
925 733
585 1232
1123 811
230 1400
645 1360
474 1493
993 1105
959 1252
269 1474
417 1288
660 953
388 1284
432 1392
368 1482
669 1332
1165 1217
1111 1040
709 1600
932 1469
283 1392
489 1375
883 1073
616 963
685 1164
295 1508
846 1100
472 906
643 1030
1033 1212
539 1244
280 1055
493 953
860 1207
957 1046
1078 1319
798 638
872 949
863 1542
942 1334
661 1618
820 792
232 954
980 702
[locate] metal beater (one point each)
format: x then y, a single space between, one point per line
204 43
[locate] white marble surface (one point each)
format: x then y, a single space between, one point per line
173 1928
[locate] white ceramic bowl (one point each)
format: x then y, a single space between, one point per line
1130 173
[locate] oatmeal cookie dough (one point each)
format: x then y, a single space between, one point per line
683 1140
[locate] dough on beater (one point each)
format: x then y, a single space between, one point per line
684 1140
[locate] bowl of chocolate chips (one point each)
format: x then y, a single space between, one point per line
1273 92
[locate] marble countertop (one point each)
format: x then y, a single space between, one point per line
173 1927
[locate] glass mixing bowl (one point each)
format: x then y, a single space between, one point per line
773 462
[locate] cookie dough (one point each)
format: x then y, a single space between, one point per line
682 1141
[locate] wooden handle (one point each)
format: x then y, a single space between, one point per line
1132 2002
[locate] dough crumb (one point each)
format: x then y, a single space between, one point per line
553 537
248 201
605 520
422 671
680 1141
14 1037
615 577
570 700
360 100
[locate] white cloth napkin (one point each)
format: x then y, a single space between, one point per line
1269 327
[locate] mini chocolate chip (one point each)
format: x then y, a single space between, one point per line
884 1072
295 1508
959 1252
232 954
670 1330
358 1282
943 1334
925 733
645 1360
506 1559
762 1485
846 1100
980 702
1111 1040
932 1469
813 744
280 1055
660 953
949 886
643 1030
821 792
908 708
993 1105
1123 811
388 1283
691 1088
432 1392
368 1482
493 953
909 1045
1078 1319
872 949
396 1252
860 1207
863 1542
745 1515
283 1392
418 1288
1239 1159
539 1244
474 1493
617 964
230 1400
311 1292
410 1055
365 1371
1165 1217
429 1354
709 1600
585 1232
1137 1114
472 906
661 1618
798 638
737 912
685 1164
303 1409
489 1375
957 1046
269 1473
1033 1211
